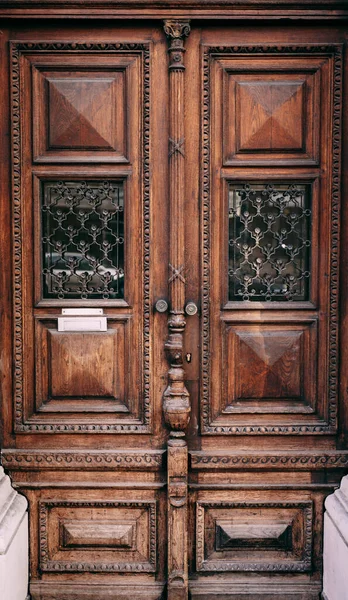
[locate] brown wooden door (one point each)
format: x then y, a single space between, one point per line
173 419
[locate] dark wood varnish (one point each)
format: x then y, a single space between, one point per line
175 455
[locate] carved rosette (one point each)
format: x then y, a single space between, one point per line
176 401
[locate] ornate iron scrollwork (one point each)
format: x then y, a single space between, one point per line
269 242
83 239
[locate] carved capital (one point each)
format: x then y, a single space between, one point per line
176 29
176 32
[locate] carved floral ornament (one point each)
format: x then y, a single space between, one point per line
176 31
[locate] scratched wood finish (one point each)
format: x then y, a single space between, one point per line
121 502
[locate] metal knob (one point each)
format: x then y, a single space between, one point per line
161 306
191 309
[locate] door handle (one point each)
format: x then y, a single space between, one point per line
161 305
191 309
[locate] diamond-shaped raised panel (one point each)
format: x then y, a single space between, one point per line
270 115
269 371
269 110
269 364
82 112
87 108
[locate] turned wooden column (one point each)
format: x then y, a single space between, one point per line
176 401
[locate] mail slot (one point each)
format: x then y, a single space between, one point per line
82 319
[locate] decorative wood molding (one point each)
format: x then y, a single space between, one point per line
22 423
320 427
177 461
95 460
49 565
56 590
176 402
279 461
294 589
176 31
92 9
302 565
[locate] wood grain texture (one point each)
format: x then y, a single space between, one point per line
177 465
114 510
271 368
78 56
218 60
176 401
212 9
61 553
271 111
259 528
82 110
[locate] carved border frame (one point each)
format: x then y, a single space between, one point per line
97 460
58 566
17 49
235 461
336 52
302 565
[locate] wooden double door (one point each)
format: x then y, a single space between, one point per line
172 413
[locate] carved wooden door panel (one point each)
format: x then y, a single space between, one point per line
269 200
85 431
173 412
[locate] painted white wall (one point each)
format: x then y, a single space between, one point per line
14 570
336 544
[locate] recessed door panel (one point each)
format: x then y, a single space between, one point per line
269 240
83 236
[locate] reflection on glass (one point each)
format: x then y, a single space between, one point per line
269 242
83 239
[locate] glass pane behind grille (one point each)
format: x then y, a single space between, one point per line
83 239
269 242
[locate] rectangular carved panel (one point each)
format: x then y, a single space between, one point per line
270 369
254 536
82 111
269 363
271 109
85 373
270 238
275 111
81 102
84 364
86 108
95 536
111 534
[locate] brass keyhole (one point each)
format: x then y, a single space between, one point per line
188 357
